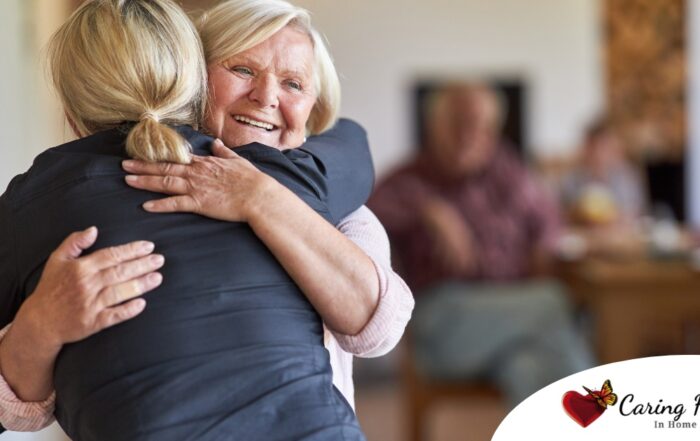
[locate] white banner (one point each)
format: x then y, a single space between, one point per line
655 398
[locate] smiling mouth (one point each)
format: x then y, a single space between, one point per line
255 123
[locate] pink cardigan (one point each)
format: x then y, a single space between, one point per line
379 336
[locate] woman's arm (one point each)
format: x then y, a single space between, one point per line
23 416
75 298
387 324
337 277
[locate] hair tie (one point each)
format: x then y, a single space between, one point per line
149 115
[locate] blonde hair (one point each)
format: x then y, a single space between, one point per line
235 26
117 61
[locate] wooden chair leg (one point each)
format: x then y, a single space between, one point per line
416 412
422 392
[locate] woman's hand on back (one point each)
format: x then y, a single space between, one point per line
79 296
224 186
76 297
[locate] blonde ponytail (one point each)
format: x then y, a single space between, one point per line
149 140
120 61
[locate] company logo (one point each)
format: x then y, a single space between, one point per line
585 409
655 398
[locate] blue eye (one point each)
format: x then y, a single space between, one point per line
242 70
295 85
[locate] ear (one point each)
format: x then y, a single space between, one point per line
72 125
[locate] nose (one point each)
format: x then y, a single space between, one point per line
265 92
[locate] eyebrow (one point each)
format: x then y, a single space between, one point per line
298 73
293 72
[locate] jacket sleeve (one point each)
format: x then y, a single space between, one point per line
10 285
343 159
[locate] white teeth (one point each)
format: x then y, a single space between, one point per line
252 122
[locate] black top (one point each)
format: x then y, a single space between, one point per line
228 347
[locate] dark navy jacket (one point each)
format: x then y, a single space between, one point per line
228 348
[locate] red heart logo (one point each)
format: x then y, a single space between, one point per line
584 409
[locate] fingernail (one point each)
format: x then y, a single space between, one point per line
155 278
131 178
148 246
91 230
157 259
128 163
148 205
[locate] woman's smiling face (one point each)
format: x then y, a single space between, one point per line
264 94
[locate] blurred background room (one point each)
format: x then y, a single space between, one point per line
553 152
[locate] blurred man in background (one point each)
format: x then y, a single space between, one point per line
472 229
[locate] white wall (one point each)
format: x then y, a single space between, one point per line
31 118
11 88
693 155
381 46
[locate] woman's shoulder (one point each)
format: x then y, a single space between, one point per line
364 228
364 216
199 141
69 162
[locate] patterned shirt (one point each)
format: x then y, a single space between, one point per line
508 213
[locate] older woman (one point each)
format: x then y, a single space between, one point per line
252 48
256 98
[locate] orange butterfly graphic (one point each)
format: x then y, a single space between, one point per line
605 396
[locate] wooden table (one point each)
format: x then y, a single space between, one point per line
640 307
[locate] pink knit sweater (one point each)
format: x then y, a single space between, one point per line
379 336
